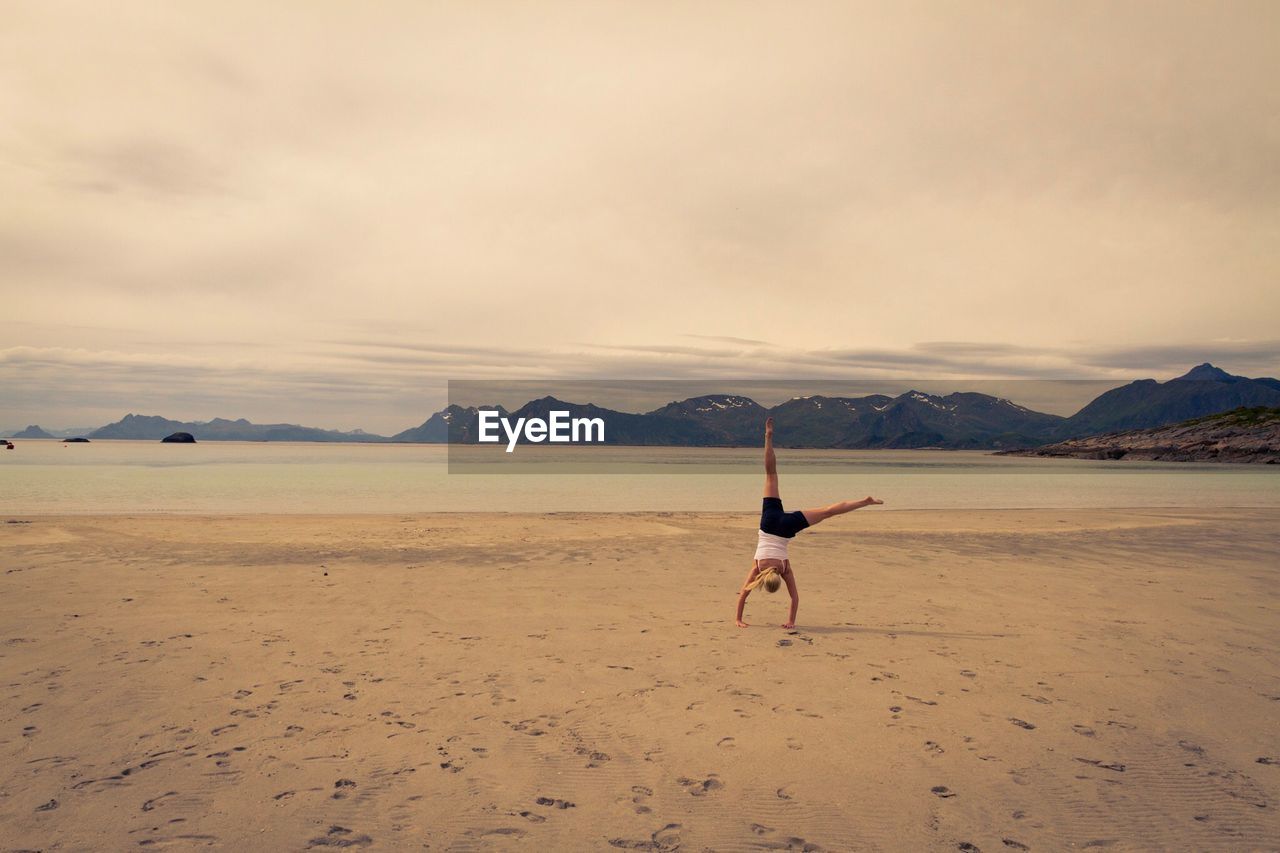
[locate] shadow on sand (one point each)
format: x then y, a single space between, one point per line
893 632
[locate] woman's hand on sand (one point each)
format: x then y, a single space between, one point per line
741 624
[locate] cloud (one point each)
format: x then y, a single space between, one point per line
333 202
729 340
147 164
385 387
1241 357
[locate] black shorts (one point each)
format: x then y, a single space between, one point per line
774 521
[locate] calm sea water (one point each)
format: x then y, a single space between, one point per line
47 477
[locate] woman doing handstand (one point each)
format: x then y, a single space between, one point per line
777 528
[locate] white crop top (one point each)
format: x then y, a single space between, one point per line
771 547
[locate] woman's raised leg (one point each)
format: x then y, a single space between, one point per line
770 462
813 516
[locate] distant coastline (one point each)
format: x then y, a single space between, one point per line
910 420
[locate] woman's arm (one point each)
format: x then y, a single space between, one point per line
790 578
742 596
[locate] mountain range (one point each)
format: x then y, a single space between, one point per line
961 420
152 428
1204 390
913 419
32 431
35 431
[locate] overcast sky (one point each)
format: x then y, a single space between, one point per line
320 212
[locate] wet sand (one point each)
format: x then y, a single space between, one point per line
990 680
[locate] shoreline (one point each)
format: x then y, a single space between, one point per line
4 514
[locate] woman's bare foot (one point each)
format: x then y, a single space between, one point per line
741 624
870 501
768 426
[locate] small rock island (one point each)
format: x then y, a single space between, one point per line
179 438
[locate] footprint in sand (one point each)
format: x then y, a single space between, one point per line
595 757
340 836
699 788
557 803
223 758
1022 724
641 794
943 791
152 803
792 843
528 727
667 838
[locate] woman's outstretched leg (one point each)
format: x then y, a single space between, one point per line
813 516
770 462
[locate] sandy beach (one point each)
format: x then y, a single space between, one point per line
975 680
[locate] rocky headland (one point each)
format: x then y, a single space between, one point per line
1240 435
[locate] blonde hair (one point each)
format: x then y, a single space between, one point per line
769 577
